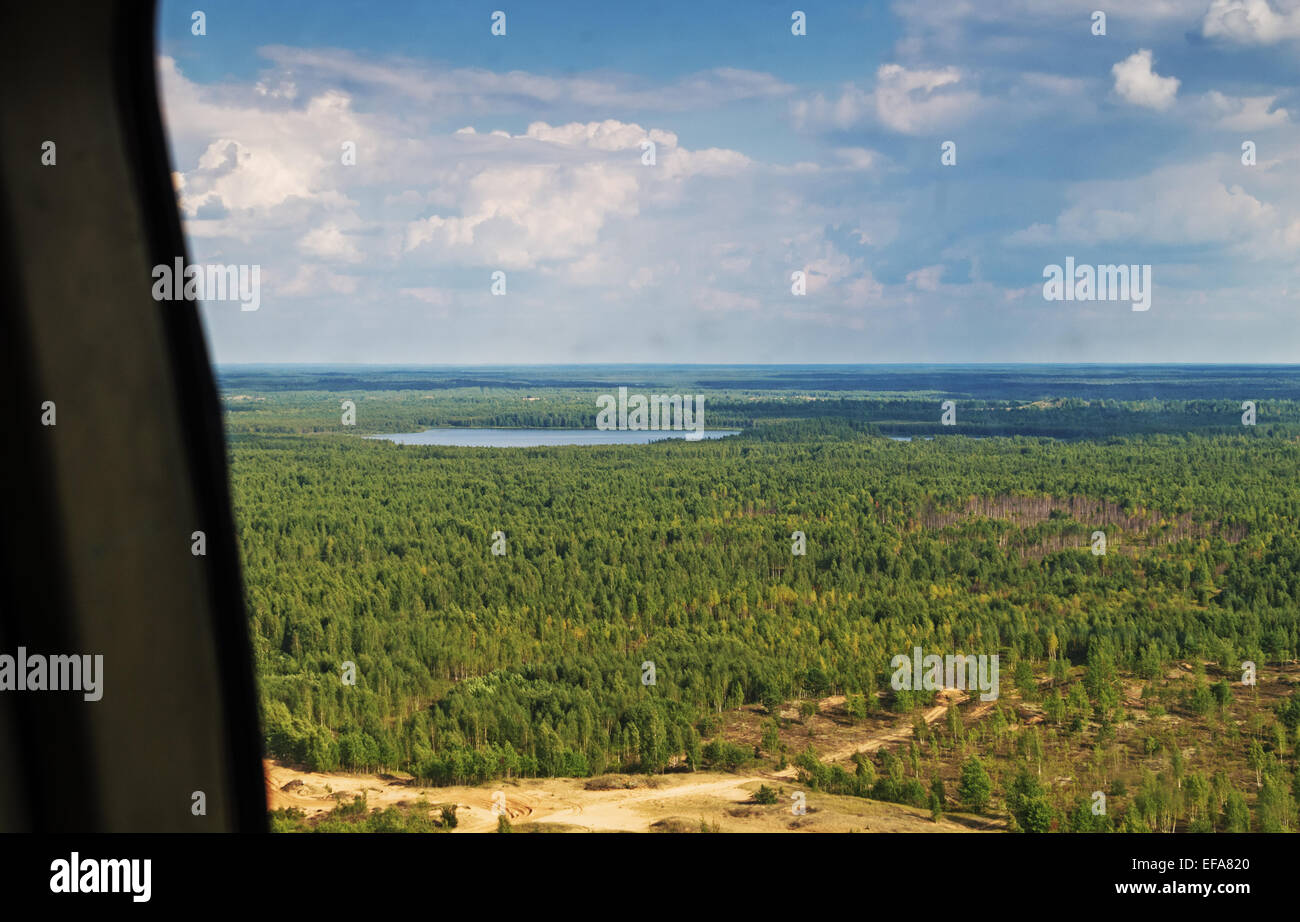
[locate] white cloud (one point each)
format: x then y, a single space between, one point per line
443 91
243 154
926 278
1245 113
914 101
1137 83
518 214
607 135
329 242
905 101
1157 209
933 15
863 290
565 202
857 158
1005 33
826 270
852 108
1252 22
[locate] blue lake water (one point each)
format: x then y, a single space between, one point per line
533 438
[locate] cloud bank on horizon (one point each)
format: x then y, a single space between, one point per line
917 164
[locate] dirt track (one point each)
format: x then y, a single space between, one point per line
894 734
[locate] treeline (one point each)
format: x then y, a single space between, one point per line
915 415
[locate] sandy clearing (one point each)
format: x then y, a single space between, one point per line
566 801
552 800
687 798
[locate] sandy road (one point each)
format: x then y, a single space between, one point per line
895 734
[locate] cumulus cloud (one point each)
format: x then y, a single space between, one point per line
913 101
1156 209
329 242
1138 84
516 215
245 153
1252 22
905 101
1245 113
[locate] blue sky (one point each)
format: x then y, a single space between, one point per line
774 154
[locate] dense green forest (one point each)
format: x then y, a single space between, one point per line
1070 418
472 665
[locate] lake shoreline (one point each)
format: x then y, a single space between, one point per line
504 437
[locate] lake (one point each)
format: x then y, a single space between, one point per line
535 438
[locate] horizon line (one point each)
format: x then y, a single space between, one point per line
759 364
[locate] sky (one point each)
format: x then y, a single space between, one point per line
774 154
